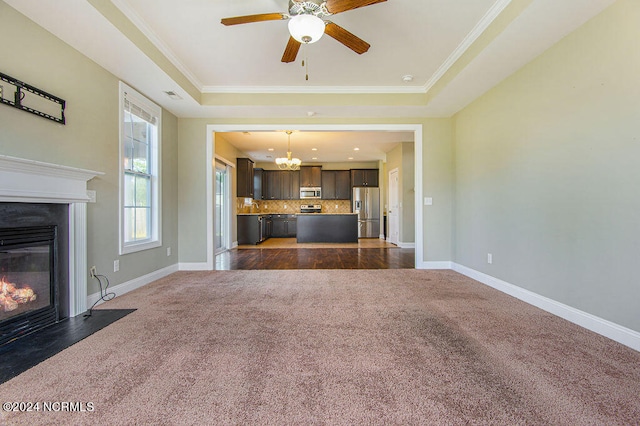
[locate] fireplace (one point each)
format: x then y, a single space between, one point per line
43 219
33 267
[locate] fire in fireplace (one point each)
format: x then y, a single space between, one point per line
27 280
12 296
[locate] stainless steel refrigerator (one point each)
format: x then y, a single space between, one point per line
366 203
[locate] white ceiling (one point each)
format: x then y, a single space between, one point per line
406 37
423 38
318 147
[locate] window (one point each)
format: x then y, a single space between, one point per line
140 121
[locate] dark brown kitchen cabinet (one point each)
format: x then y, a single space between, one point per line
328 185
280 185
336 185
364 177
272 185
290 182
258 193
295 186
284 226
310 176
343 185
244 177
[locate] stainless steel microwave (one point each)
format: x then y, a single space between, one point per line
307 193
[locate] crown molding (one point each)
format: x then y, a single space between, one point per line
479 28
141 24
316 89
476 32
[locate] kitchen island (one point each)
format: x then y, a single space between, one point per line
327 228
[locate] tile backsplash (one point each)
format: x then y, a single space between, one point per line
291 206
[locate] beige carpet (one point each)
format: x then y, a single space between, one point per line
333 347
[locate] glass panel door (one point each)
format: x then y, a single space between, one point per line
222 203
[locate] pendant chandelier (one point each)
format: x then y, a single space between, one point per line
288 163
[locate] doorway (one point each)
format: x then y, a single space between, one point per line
416 129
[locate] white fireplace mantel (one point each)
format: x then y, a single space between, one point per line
29 181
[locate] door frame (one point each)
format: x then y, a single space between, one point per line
212 129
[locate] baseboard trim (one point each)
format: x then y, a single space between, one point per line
194 266
606 328
406 245
133 284
434 265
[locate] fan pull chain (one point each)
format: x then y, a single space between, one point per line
305 62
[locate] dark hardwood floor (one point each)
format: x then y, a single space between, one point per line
316 258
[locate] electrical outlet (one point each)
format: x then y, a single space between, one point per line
116 265
168 251
489 258
92 271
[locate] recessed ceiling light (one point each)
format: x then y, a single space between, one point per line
407 78
314 149
314 158
350 158
270 149
356 149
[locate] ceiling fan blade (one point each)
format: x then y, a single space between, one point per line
254 18
353 42
337 6
291 51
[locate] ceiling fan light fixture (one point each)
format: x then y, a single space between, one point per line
306 28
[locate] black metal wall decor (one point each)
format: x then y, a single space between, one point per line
17 94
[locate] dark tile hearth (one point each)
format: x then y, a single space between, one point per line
20 355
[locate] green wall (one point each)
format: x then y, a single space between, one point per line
408 193
438 184
192 197
402 157
89 140
547 172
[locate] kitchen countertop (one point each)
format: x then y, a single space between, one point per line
325 214
297 214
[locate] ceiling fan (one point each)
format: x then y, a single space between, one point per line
307 23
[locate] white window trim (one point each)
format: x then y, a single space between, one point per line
156 180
